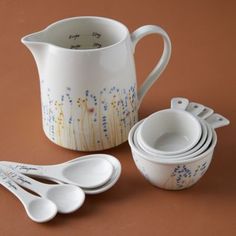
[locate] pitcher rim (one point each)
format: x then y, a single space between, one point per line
24 41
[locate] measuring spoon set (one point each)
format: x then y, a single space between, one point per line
91 174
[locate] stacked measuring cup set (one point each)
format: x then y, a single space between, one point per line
173 148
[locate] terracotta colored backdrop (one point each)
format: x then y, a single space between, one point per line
202 68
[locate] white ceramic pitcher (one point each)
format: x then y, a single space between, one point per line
88 82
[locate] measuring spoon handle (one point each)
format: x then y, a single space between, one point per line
14 188
26 168
26 181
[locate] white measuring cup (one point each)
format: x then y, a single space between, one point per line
163 159
169 132
212 122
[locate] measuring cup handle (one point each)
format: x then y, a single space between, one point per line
207 111
162 63
217 121
179 103
195 108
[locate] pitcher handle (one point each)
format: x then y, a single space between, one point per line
162 63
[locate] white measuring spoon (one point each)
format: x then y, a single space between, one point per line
111 182
38 209
87 173
68 198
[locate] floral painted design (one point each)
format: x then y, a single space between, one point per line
91 122
183 177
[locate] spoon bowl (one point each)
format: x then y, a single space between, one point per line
68 198
111 182
41 210
91 172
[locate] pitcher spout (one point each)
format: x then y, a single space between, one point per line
33 40
36 44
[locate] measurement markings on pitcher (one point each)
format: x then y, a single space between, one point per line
75 46
77 35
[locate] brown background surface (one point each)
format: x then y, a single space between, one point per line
202 68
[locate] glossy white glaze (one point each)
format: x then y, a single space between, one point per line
88 81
